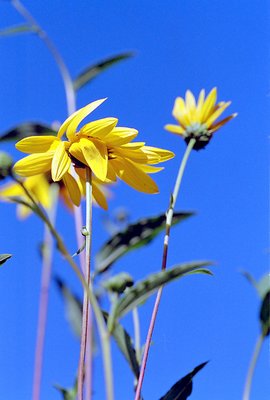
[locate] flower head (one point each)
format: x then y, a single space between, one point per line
198 120
100 145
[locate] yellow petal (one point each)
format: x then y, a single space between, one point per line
149 169
96 156
180 112
120 136
66 123
156 155
99 197
37 144
133 176
135 154
80 115
216 114
60 162
40 187
76 151
99 128
34 164
219 124
200 105
72 188
209 105
11 189
175 129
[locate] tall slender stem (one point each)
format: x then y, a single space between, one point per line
44 294
169 218
68 84
89 206
252 366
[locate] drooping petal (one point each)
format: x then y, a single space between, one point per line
40 187
60 162
96 156
80 115
133 176
37 144
219 124
120 135
99 128
76 151
177 129
72 188
99 196
34 164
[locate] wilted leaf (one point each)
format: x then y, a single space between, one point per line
137 294
134 236
67 394
91 72
265 314
4 258
27 129
16 29
73 307
182 389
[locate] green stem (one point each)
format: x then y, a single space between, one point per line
68 84
137 334
169 217
252 366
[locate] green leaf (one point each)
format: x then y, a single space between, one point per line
4 258
17 29
27 129
91 72
73 306
262 286
125 345
19 200
137 294
265 314
5 165
67 394
118 283
134 236
182 389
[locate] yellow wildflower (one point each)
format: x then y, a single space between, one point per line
106 149
198 121
37 185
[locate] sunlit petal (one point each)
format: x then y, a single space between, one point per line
96 156
120 136
36 144
34 164
99 128
60 162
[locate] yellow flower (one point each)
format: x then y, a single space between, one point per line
198 120
37 185
106 149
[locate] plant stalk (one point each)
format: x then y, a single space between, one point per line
169 218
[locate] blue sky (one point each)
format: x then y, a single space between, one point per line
178 45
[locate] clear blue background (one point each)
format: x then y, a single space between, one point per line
179 45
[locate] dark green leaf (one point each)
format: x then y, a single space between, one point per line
19 200
118 283
135 235
137 294
67 394
16 29
182 389
27 129
73 307
265 314
5 165
124 343
91 72
4 258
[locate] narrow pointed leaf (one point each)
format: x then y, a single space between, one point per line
182 389
262 286
137 294
4 258
265 314
134 236
91 72
27 129
19 200
125 345
17 29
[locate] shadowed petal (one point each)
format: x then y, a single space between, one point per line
60 162
133 176
99 197
72 188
